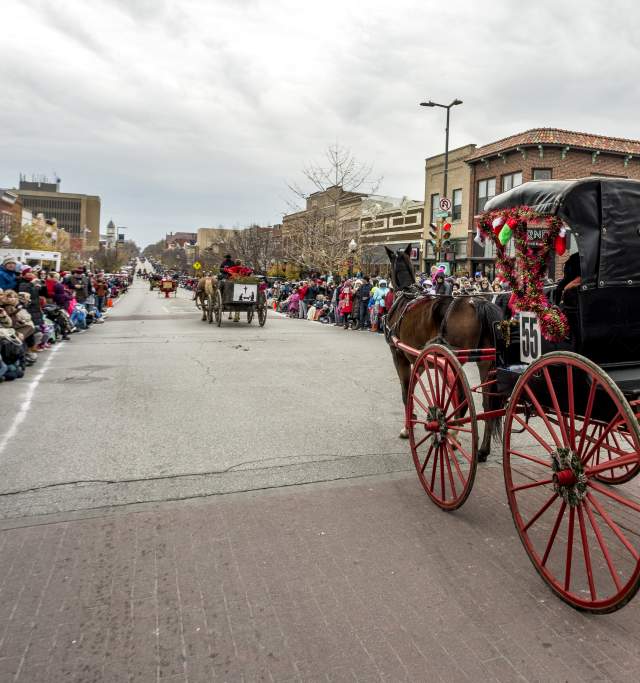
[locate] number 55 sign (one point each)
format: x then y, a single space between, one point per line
530 338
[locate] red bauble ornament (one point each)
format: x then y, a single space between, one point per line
560 245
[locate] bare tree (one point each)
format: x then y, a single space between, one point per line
318 234
254 246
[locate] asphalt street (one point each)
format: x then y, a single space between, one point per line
156 405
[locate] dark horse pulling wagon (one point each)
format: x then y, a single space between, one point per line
566 380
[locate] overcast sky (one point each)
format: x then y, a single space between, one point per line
190 113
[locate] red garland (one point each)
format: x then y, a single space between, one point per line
525 271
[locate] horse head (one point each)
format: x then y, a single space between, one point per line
402 271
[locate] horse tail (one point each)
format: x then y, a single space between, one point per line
488 315
208 286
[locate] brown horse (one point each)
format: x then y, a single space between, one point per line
416 318
204 294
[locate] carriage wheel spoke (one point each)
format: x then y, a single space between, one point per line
602 544
542 415
613 526
450 472
572 416
554 532
436 377
587 416
434 469
585 552
540 512
427 372
625 461
456 464
523 487
533 433
458 446
452 392
601 438
422 441
457 409
421 404
614 496
556 406
425 393
426 460
532 458
443 491
567 570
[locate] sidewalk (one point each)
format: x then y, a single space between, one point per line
362 580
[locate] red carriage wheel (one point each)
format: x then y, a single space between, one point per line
568 428
443 433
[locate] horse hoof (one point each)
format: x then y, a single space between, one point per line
482 456
404 434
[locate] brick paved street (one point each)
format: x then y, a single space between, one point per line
359 580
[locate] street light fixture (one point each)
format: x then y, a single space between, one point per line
455 102
430 103
6 240
353 245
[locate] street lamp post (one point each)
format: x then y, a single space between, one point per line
353 246
430 103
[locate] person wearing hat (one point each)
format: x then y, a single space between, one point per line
8 275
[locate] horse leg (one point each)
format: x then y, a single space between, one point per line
403 368
487 404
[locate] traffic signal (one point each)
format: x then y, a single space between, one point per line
433 232
446 235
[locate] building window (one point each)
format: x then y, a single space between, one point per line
411 219
398 221
511 180
435 206
542 174
456 214
486 190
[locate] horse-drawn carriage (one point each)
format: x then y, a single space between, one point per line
566 380
233 295
168 285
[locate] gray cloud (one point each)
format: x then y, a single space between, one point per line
195 112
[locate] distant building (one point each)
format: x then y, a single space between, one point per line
180 239
213 240
10 211
77 214
392 223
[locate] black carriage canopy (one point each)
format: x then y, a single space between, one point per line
603 215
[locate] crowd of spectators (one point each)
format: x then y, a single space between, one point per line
39 308
360 302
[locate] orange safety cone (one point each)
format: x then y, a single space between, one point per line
109 303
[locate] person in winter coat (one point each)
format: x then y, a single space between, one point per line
8 275
363 305
31 286
80 285
379 302
345 302
101 289
441 287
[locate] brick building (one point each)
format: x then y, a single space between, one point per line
10 211
459 191
540 154
175 240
